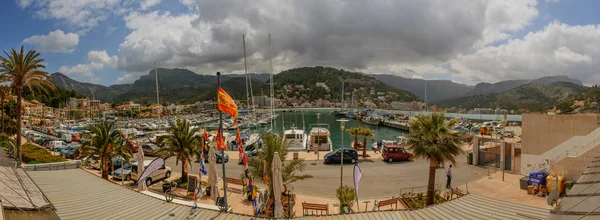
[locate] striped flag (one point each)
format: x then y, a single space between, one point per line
198 192
239 140
202 170
265 173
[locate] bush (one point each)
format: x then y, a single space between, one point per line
346 196
35 154
5 141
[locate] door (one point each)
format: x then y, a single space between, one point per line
403 154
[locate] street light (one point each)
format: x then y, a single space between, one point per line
318 139
342 125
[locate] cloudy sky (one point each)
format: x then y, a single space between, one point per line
467 41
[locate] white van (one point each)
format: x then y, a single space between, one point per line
162 173
66 137
57 144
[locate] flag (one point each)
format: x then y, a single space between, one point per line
239 140
198 192
220 141
245 160
357 177
205 137
265 174
226 104
202 170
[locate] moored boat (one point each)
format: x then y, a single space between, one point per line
296 139
319 138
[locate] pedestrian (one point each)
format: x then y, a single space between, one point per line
449 176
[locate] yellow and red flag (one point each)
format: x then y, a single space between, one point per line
220 141
205 138
226 104
239 140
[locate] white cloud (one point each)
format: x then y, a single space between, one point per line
503 17
78 14
558 49
56 41
97 60
146 4
188 3
552 1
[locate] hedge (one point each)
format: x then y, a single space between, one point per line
33 154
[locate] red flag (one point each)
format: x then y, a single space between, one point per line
205 137
239 140
226 104
245 160
220 141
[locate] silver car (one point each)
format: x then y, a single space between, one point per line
124 172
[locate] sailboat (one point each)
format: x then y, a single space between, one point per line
341 112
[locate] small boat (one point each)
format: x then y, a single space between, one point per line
296 139
371 120
320 137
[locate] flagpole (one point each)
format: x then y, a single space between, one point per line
220 132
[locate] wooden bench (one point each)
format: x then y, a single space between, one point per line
390 202
234 181
456 192
319 208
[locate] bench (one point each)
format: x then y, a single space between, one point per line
320 208
234 181
456 192
390 202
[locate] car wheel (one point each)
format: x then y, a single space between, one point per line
353 161
408 158
390 160
219 160
325 161
167 175
148 182
128 177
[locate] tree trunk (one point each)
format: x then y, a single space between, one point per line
431 182
19 126
2 115
184 171
105 168
355 141
365 147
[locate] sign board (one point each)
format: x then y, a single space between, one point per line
191 186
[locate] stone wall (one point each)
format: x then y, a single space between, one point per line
573 167
542 132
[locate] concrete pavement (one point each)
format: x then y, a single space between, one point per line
380 179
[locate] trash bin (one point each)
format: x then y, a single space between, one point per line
470 158
524 182
569 184
295 155
551 183
537 178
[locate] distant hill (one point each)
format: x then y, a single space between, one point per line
487 88
532 96
175 86
436 89
308 77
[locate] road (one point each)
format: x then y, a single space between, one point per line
380 179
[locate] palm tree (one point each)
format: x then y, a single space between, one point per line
4 93
366 133
290 169
431 137
23 71
355 132
107 142
183 143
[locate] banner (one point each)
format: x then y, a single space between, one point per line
357 177
226 104
205 139
220 141
239 140
155 165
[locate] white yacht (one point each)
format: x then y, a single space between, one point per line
319 137
296 139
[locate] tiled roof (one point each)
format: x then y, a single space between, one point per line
583 199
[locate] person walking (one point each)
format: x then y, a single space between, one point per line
449 176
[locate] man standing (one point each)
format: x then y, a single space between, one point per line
449 176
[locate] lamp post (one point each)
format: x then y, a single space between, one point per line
342 125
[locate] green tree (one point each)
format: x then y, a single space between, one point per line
107 142
431 137
4 94
291 170
183 143
366 133
355 132
23 70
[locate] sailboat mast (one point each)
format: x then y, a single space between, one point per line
248 81
271 86
157 99
342 94
246 71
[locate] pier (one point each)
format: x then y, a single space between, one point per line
395 124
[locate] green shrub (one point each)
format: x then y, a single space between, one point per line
346 196
35 154
5 141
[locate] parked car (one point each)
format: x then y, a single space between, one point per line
66 137
391 153
53 145
125 171
221 157
162 173
150 149
335 156
509 134
65 146
69 151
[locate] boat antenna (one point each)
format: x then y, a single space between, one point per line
271 86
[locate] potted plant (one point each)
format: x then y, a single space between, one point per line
346 197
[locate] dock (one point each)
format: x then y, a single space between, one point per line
395 124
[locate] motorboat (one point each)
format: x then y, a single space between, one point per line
320 138
296 139
371 120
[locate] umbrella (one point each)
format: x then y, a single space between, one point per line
140 169
212 173
277 185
